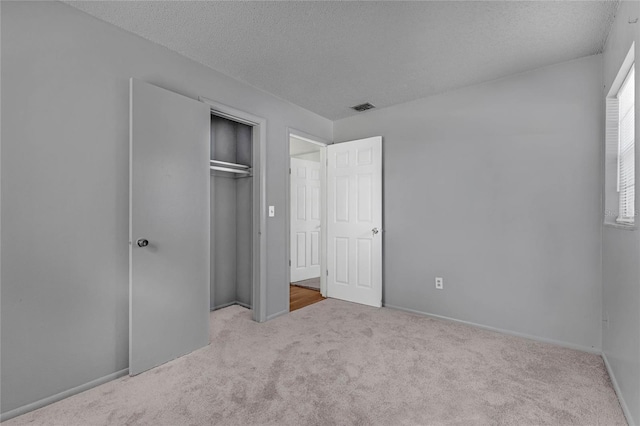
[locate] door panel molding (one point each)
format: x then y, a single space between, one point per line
354 221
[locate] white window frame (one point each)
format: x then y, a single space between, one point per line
625 219
612 187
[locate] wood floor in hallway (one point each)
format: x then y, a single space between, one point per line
299 297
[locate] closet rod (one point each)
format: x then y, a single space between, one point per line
227 169
224 163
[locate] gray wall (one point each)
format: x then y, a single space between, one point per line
65 180
621 249
495 187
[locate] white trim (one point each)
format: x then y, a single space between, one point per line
622 192
322 143
294 134
324 193
612 139
259 126
616 387
62 395
629 227
592 350
307 137
626 221
622 72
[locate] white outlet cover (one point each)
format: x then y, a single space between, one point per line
272 211
439 283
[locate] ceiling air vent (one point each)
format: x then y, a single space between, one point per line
363 107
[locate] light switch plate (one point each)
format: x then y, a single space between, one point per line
272 211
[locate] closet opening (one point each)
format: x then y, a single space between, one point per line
237 210
306 225
231 214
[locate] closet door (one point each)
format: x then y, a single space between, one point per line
169 226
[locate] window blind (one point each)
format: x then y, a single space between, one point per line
626 149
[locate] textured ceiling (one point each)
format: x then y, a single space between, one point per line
327 56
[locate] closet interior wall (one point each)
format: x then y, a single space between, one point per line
231 216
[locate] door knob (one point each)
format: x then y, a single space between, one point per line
375 231
142 242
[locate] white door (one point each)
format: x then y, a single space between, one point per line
354 221
169 226
305 219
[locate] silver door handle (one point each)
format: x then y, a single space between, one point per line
142 242
375 231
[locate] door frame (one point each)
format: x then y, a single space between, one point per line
259 140
323 143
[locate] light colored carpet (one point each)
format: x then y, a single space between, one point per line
339 363
313 283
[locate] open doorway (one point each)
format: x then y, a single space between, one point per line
347 244
307 241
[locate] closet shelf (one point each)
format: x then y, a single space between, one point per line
223 166
224 163
228 169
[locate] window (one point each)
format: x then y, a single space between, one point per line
620 172
626 150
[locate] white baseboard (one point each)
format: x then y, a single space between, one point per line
592 350
623 403
62 395
277 314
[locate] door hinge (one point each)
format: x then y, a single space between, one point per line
289 263
289 170
327 272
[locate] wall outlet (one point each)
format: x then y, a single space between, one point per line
439 283
272 211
